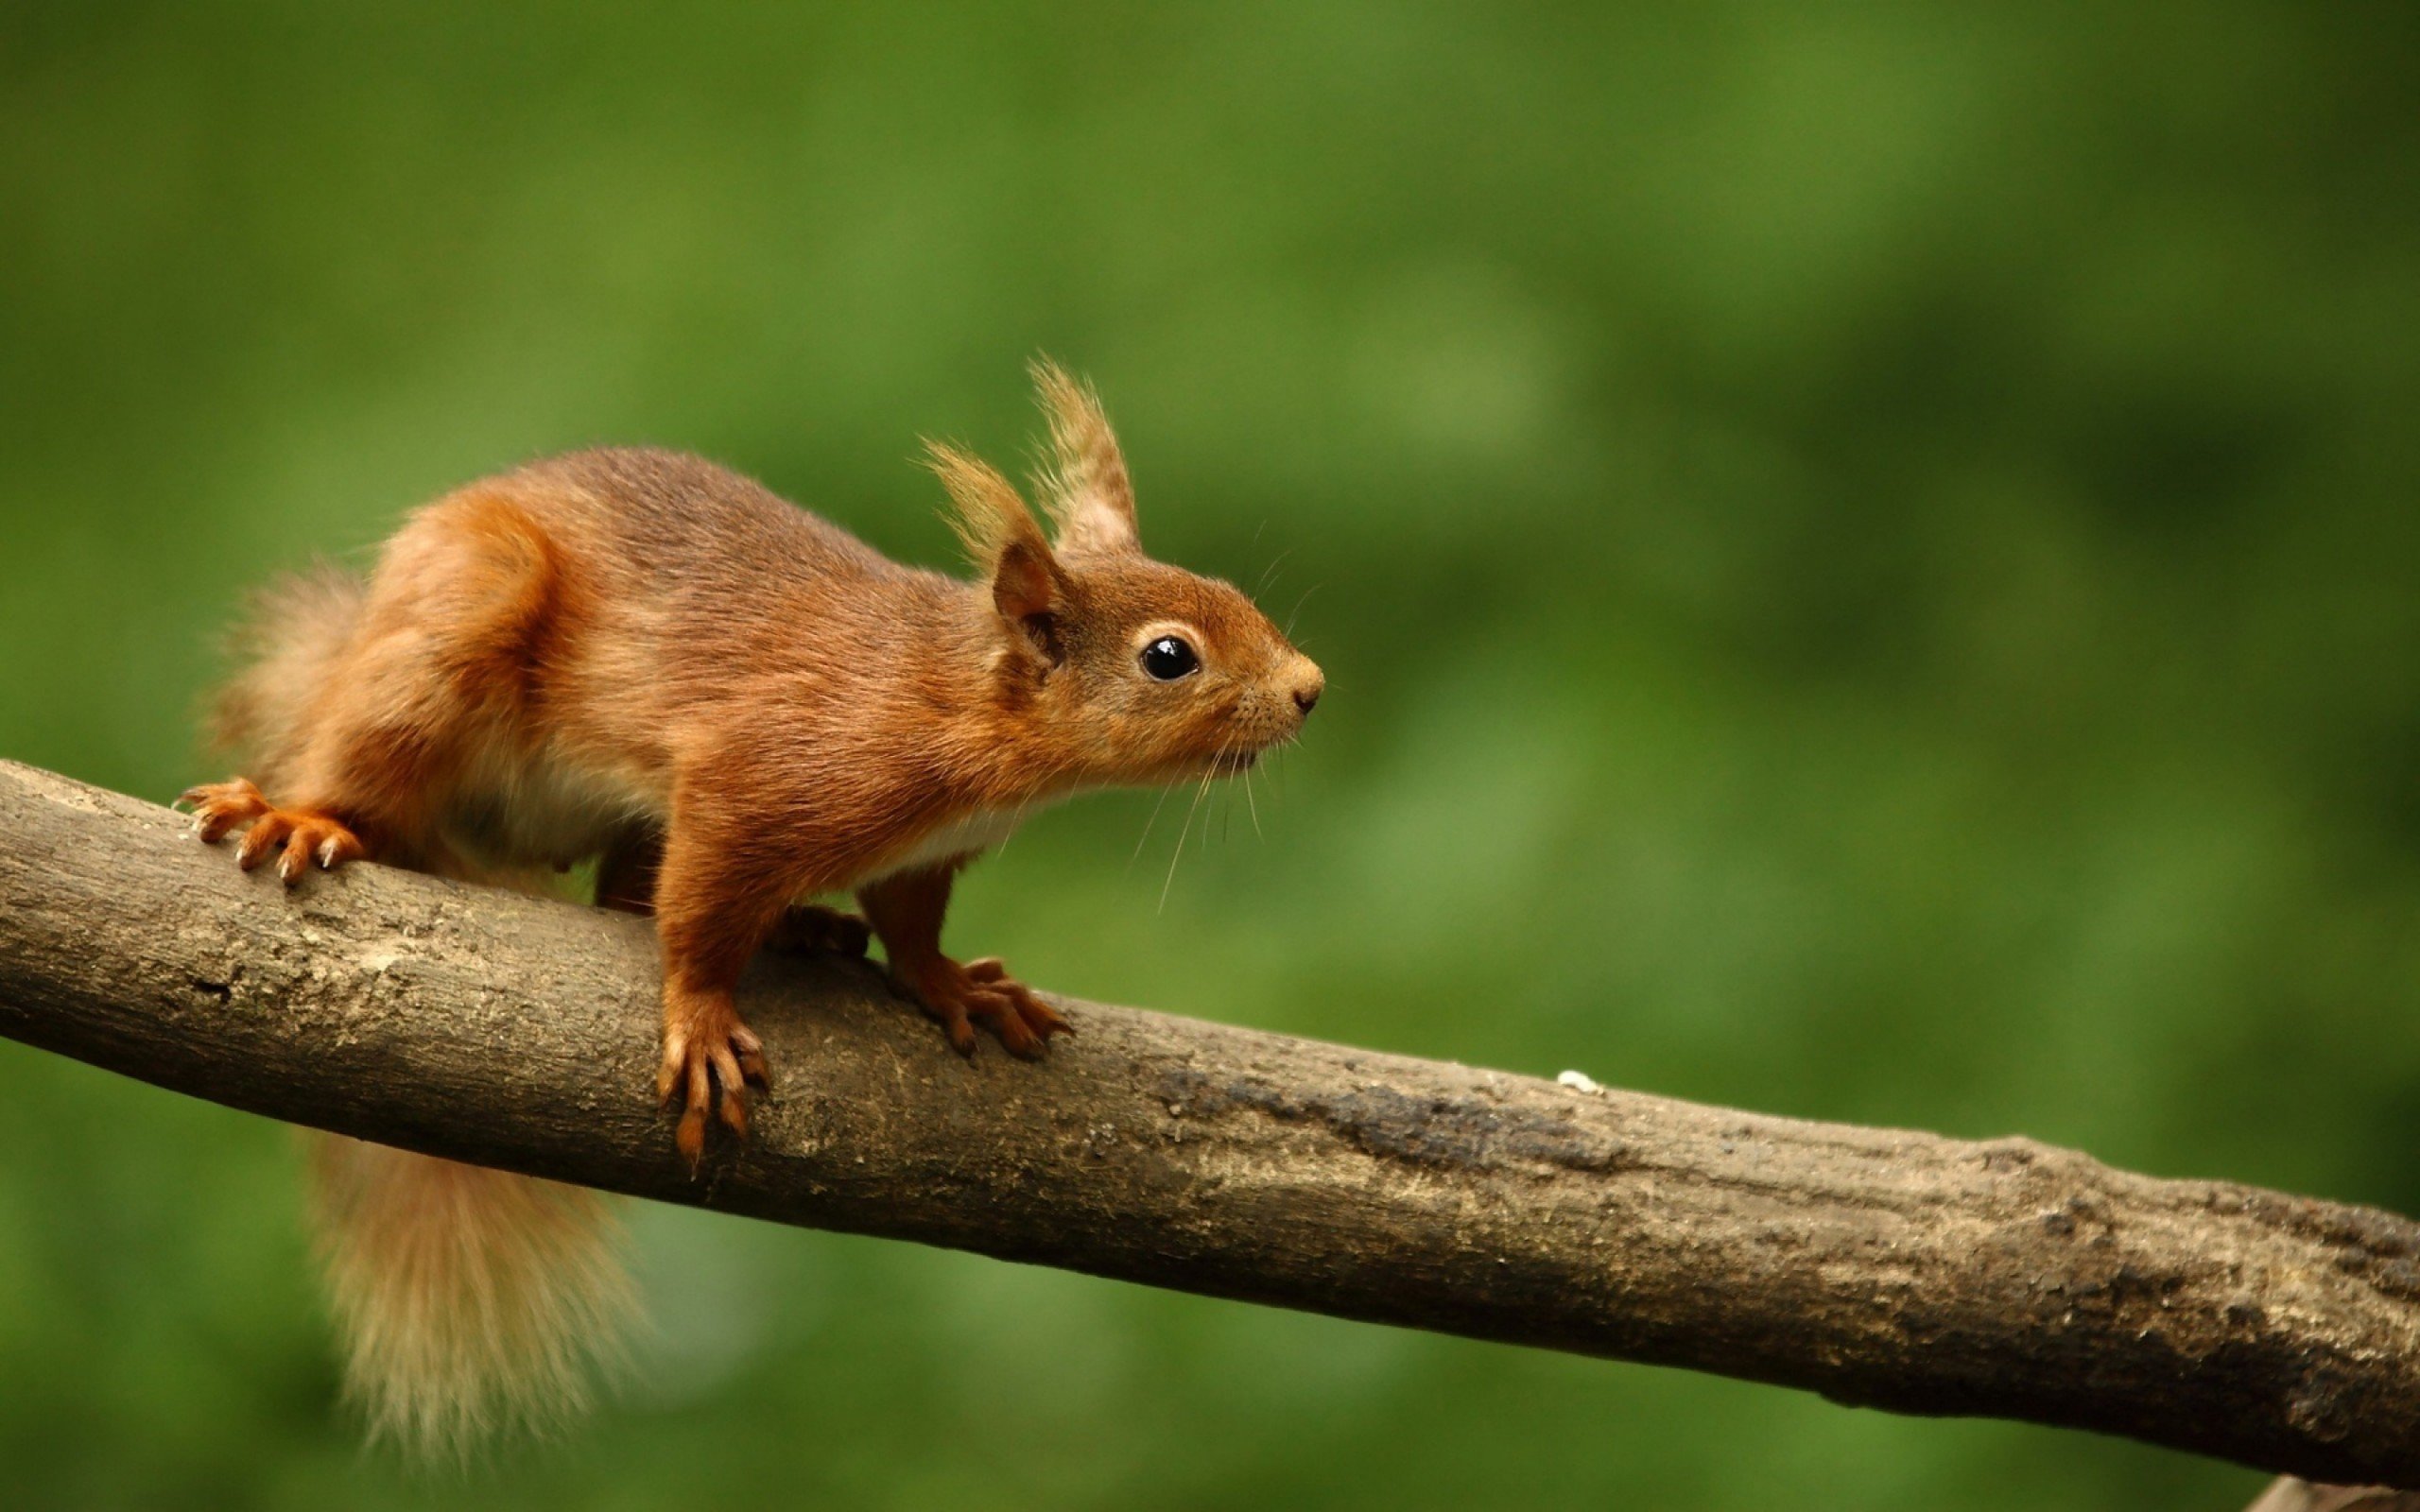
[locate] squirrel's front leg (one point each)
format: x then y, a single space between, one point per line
906 910
710 916
626 882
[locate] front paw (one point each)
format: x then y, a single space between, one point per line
710 1057
960 995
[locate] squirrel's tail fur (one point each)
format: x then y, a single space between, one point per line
468 1299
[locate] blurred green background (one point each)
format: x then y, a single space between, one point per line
1866 556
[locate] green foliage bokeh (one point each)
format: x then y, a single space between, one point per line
1866 556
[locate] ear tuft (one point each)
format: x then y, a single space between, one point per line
1085 486
989 514
1001 537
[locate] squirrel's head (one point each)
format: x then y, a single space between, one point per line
1122 668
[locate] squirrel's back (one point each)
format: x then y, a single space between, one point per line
632 574
680 520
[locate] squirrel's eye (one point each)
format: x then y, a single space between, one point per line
1168 659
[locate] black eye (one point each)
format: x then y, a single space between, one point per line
1168 659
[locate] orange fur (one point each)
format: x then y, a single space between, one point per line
473 1300
639 655
468 1299
1086 486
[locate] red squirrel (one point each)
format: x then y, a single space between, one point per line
735 708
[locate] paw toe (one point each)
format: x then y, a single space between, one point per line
297 837
219 807
708 1063
295 859
268 832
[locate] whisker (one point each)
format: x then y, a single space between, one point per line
1178 854
1270 570
1016 817
1180 835
1146 828
1297 610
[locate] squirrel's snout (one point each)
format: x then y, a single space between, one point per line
1309 684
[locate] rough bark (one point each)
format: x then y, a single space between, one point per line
1883 1268
2291 1495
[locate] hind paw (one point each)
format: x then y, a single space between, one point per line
218 807
300 837
809 928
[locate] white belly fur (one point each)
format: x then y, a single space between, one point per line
551 811
983 830
979 831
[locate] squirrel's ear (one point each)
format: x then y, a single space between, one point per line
1024 589
1091 499
1000 536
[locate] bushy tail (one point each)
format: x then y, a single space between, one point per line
469 1300
291 635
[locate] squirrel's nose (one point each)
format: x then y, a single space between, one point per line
1308 688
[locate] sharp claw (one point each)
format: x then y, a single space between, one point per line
691 1137
709 1062
1041 1016
668 1075
305 834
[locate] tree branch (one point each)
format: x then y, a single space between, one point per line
1881 1268
2291 1495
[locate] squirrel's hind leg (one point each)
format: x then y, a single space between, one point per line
364 709
808 929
